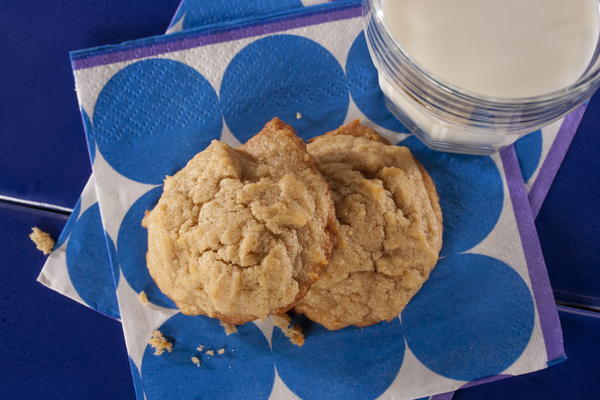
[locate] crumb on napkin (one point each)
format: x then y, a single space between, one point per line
159 343
143 298
298 115
43 241
294 333
210 353
196 361
229 329
221 351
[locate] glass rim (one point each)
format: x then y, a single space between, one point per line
581 85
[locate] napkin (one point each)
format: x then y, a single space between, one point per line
487 310
539 154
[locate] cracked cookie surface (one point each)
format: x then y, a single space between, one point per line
242 233
390 226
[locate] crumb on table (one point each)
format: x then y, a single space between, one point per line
143 298
229 329
220 351
43 241
210 353
293 333
200 347
159 343
196 361
298 115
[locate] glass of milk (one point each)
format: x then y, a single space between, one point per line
472 76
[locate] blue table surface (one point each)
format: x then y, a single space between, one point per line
52 347
569 221
55 348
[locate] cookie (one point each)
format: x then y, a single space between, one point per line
239 234
159 343
390 229
292 332
42 240
355 129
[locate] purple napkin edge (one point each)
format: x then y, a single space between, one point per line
161 44
538 274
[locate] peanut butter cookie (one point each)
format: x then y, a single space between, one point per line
239 234
390 229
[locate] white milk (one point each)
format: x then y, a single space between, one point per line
498 48
494 48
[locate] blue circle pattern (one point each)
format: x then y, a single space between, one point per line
137 381
473 318
207 12
89 135
529 151
153 116
352 363
66 231
89 263
289 74
245 369
471 194
364 86
132 246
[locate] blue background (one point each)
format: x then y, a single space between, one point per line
63 350
39 112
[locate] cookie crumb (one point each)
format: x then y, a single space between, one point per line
200 347
43 241
210 353
221 351
159 343
298 115
196 361
143 298
293 333
229 329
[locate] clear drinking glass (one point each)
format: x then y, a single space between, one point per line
447 118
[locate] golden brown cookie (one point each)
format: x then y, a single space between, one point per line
42 240
390 229
356 129
242 233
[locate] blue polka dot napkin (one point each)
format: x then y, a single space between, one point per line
195 13
80 265
539 155
149 105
